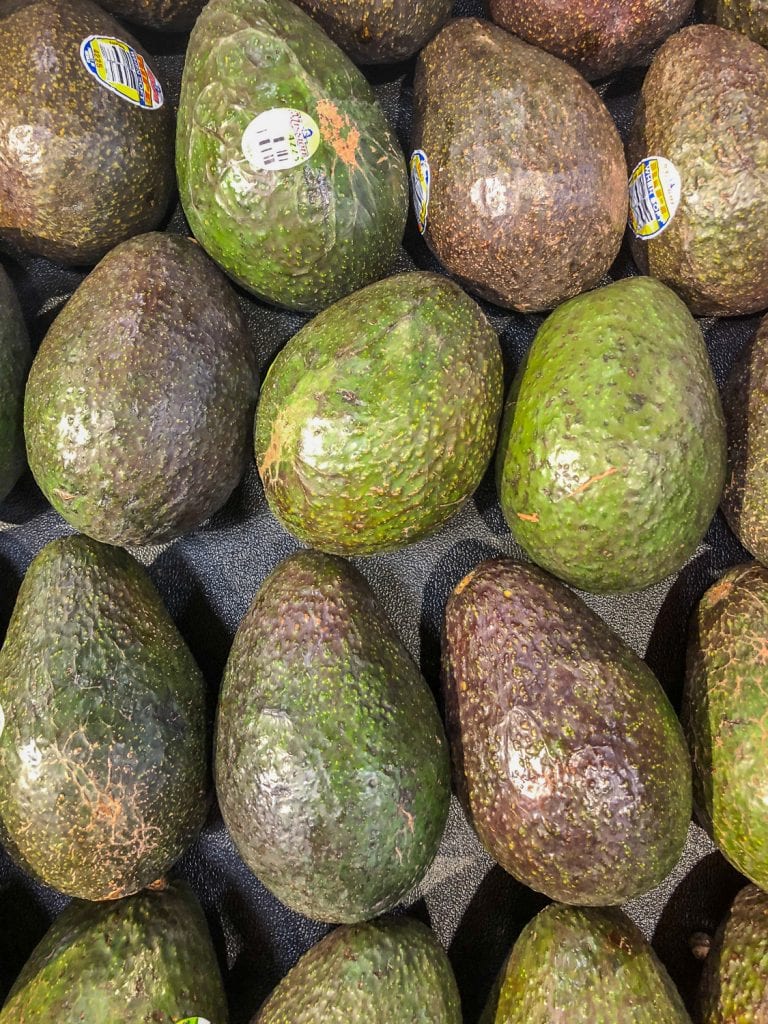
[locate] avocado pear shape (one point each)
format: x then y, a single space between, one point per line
331 763
747 16
389 971
734 984
146 958
15 359
698 152
164 15
584 966
103 774
378 419
613 449
139 405
289 174
520 182
725 711
567 754
86 134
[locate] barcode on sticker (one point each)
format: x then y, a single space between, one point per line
280 138
654 196
118 67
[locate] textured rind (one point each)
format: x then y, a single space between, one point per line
331 763
386 972
567 754
379 418
596 37
584 966
169 15
734 985
379 31
81 168
612 455
528 195
747 16
103 774
144 960
300 237
15 359
704 106
139 405
745 403
725 715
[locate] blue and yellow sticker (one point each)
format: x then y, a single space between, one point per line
119 68
420 185
654 196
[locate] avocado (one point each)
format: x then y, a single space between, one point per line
568 757
379 31
331 763
598 39
143 960
725 709
734 987
15 358
613 451
103 775
378 419
698 151
747 16
745 403
583 966
289 173
520 183
165 15
86 134
388 972
140 402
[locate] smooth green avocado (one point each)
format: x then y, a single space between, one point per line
612 455
15 358
331 763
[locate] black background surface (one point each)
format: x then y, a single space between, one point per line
209 577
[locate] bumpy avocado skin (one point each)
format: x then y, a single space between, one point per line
747 16
745 403
379 31
166 15
567 754
704 106
384 972
103 775
144 960
725 710
15 358
331 763
379 418
613 450
596 37
584 966
734 988
140 402
299 237
528 193
82 168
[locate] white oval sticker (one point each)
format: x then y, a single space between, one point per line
193 1020
280 138
119 68
420 184
654 196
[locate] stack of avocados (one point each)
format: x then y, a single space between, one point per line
383 512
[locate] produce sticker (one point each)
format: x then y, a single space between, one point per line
654 196
420 182
280 138
118 67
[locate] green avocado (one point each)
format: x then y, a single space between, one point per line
166 15
596 38
85 165
15 358
734 986
379 31
583 966
103 774
613 451
385 972
568 757
331 763
143 960
139 405
520 182
378 419
747 16
745 403
289 173
703 110
725 712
